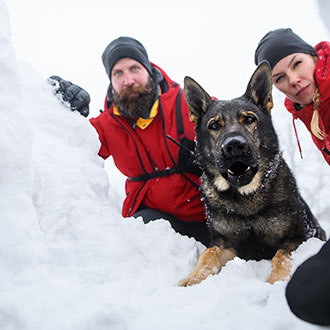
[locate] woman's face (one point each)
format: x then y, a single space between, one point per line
293 75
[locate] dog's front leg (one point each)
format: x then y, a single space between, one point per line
281 266
209 263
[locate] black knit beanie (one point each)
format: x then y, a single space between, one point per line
124 47
278 44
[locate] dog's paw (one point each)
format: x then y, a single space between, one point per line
188 281
279 276
209 263
281 267
198 275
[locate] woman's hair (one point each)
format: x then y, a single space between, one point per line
315 122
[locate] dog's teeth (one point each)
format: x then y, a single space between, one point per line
248 169
230 172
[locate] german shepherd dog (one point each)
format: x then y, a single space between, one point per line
252 202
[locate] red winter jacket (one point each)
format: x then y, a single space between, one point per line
138 151
322 78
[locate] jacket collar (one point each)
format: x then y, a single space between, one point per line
142 122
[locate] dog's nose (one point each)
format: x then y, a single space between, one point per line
234 146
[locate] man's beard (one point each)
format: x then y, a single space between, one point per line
136 101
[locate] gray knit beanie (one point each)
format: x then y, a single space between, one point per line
124 47
277 44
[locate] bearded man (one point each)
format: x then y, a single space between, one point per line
142 107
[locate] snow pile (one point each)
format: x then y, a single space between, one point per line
68 260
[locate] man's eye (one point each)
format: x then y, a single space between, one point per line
249 119
214 125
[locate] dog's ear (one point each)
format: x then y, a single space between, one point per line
196 98
259 89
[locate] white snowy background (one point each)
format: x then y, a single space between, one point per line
68 260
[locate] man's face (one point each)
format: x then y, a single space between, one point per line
128 73
134 91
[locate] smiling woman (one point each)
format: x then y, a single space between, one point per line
302 73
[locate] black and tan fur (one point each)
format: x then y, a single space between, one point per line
251 197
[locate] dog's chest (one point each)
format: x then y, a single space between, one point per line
241 228
256 238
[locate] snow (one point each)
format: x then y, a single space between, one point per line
68 260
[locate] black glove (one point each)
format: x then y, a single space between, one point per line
187 160
73 96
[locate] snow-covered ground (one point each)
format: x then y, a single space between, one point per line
69 261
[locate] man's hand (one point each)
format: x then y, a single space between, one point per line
72 96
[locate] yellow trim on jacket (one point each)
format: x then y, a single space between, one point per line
142 122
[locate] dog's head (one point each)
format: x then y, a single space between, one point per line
236 140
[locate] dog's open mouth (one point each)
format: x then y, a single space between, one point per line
239 173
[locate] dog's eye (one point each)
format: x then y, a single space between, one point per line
249 119
214 125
